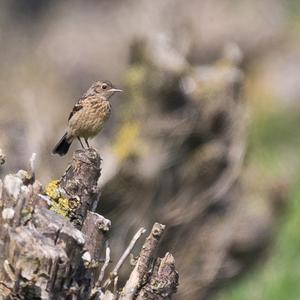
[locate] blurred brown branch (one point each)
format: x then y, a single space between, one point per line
2 157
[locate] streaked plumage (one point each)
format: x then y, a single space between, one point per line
88 115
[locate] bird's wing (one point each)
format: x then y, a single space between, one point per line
78 106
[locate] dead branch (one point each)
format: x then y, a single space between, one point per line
122 259
163 280
143 264
2 157
106 263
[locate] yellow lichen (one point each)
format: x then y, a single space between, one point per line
51 189
91 264
74 203
59 204
64 204
58 209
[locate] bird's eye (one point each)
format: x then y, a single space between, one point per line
104 86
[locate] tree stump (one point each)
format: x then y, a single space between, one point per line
53 245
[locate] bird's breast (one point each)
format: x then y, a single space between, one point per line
89 121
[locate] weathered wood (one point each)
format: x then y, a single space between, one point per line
42 251
94 229
114 274
163 281
50 249
138 276
79 183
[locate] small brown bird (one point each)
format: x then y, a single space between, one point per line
88 116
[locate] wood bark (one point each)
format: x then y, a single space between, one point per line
151 278
53 245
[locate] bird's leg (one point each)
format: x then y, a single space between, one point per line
87 143
80 142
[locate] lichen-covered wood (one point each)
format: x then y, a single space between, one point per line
53 249
78 185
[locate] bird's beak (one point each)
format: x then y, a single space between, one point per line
115 90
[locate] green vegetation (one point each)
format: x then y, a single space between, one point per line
293 8
275 146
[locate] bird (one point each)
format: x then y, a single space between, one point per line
88 116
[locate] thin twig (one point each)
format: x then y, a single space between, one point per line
9 271
105 265
116 285
31 162
140 232
119 264
97 289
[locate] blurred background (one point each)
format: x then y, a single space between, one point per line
205 137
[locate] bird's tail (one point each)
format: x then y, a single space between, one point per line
63 145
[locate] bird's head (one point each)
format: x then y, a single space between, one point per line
103 89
